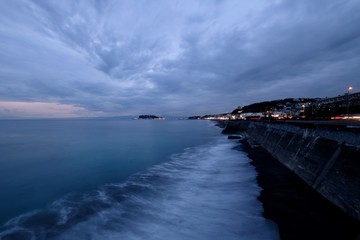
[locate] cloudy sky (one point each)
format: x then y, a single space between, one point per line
167 57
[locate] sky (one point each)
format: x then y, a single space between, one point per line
92 58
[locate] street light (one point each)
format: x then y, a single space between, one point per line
348 101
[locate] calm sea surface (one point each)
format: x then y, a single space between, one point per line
126 179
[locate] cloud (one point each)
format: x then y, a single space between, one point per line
175 57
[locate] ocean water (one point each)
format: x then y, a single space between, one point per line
126 179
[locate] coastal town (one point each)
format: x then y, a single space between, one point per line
341 107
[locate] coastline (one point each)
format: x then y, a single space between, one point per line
299 211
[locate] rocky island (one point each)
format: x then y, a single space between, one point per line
150 117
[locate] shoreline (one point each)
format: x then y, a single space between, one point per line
299 211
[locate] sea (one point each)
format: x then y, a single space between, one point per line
126 179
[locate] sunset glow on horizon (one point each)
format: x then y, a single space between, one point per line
10 109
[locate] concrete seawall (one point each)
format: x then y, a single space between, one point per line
326 157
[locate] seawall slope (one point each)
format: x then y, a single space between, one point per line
326 158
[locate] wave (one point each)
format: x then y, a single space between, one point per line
206 192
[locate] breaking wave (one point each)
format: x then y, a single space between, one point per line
206 192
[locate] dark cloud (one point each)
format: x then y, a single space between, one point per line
176 57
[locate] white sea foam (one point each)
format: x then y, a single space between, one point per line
204 193
207 192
